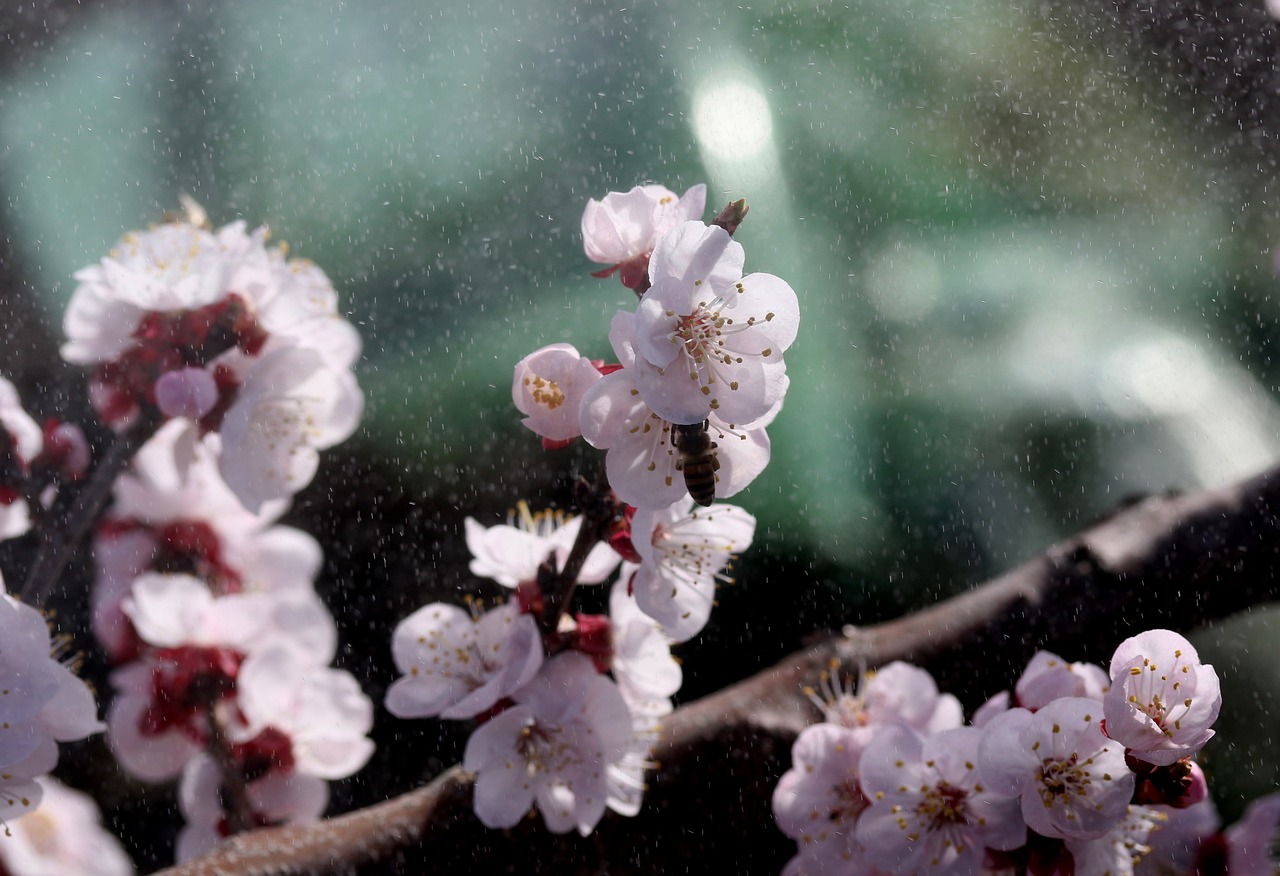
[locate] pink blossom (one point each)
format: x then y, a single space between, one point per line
1071 779
1048 677
63 837
896 693
643 465
819 800
20 790
287 407
1163 700
172 510
1176 844
642 661
622 229
198 644
709 339
320 712
930 812
42 702
625 777
553 747
20 441
456 666
40 698
218 329
512 553
548 387
1118 851
684 555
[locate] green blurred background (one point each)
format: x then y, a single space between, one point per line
1035 267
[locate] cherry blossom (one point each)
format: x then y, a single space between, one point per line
930 812
1071 779
314 717
622 229
548 387
511 553
819 800
179 516
1048 677
625 778
642 462
709 339
1163 700
286 408
553 747
1176 843
1119 850
642 663
896 693
20 442
42 702
1251 841
685 554
198 644
457 666
63 837
217 329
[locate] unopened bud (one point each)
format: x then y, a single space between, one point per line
189 392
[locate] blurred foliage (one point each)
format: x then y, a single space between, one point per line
1032 284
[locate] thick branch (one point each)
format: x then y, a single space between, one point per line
1173 562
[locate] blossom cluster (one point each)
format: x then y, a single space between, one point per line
570 704
1079 771
236 359
701 354
217 330
230 368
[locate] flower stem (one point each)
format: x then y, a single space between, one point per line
600 507
59 539
234 792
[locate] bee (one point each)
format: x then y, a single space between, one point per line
698 460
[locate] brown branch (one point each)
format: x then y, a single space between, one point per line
1175 562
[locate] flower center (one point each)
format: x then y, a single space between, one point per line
943 805
1063 779
699 332
545 392
545 750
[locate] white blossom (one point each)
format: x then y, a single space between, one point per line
1163 700
548 387
930 812
554 747
456 666
622 229
683 554
63 837
511 553
1071 779
709 340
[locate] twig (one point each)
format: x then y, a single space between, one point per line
599 509
234 793
59 541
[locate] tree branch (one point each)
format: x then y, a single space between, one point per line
1171 561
